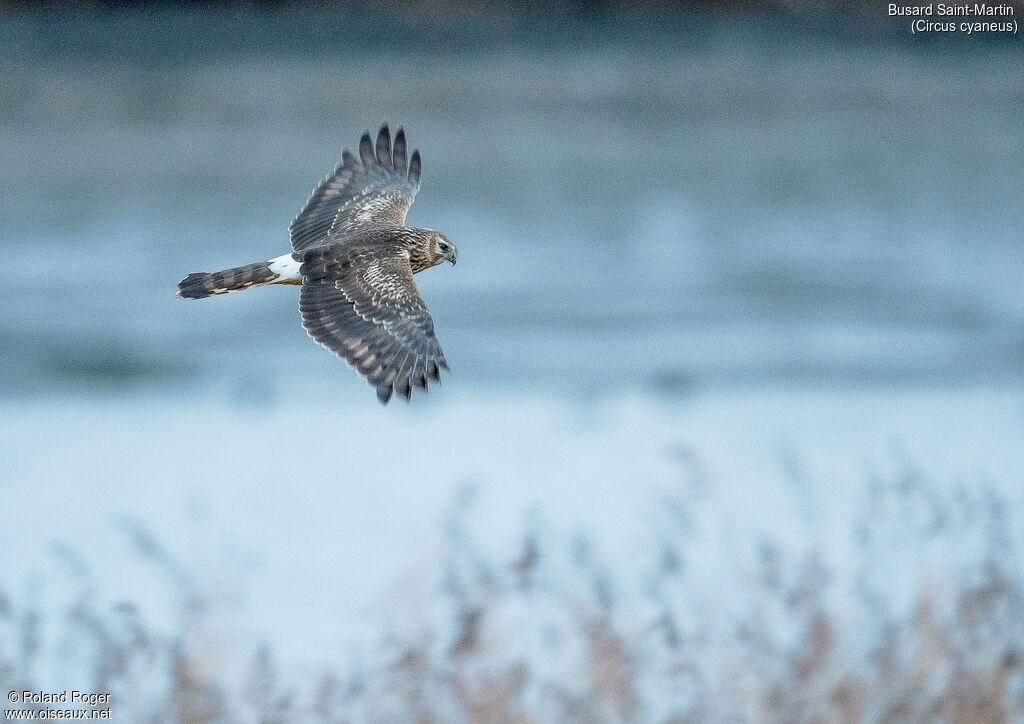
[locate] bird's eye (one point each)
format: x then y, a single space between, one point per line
444 247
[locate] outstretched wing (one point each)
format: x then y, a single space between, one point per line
366 308
376 189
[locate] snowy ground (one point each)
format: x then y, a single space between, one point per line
324 530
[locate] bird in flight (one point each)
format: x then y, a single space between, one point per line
354 258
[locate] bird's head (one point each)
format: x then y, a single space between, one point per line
441 249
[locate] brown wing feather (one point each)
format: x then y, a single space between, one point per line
376 189
366 308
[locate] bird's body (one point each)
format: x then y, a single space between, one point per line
355 258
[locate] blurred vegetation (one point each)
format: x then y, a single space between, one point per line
544 634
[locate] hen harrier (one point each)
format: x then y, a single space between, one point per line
355 257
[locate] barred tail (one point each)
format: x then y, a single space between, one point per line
207 284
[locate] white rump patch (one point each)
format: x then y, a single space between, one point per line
286 268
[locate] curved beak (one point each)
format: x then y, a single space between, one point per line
452 257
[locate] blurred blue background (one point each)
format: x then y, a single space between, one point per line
739 292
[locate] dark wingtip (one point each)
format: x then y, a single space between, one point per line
404 388
384 146
415 166
400 161
384 392
366 149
